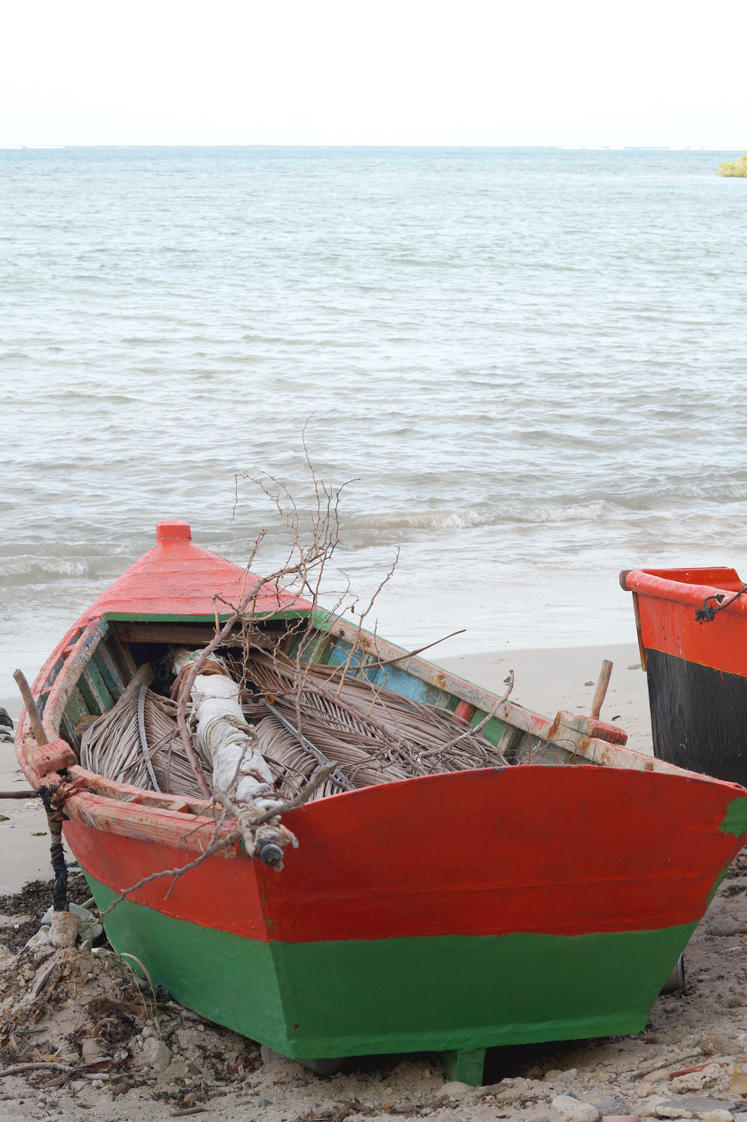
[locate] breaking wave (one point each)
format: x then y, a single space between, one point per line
445 519
36 569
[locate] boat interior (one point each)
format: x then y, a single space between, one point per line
97 661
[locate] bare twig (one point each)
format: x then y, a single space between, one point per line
417 651
18 1069
356 643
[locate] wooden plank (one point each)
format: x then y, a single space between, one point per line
97 687
108 669
67 679
111 789
509 743
76 708
465 1067
122 656
151 824
67 732
178 634
49 758
93 704
52 675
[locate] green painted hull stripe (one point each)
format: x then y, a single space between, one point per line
359 997
735 819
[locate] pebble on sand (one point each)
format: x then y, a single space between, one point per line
571 1110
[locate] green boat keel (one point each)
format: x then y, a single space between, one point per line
464 1067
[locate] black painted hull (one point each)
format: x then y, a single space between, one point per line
698 716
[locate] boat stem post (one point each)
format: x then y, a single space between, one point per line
28 700
54 817
465 1067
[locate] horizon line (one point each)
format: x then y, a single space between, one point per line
471 147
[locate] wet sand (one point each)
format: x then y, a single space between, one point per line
24 854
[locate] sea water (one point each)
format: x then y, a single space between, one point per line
527 365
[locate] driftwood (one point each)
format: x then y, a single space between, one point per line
18 1069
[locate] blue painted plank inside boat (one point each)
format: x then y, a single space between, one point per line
391 677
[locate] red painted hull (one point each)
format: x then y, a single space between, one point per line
468 853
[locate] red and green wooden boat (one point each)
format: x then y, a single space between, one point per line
692 633
547 900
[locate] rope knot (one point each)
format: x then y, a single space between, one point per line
708 614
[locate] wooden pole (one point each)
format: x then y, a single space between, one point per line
601 690
28 700
54 817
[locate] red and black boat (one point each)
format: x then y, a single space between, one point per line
692 632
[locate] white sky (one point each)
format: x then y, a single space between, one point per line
570 72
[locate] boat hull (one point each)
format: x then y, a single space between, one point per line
696 671
453 912
361 997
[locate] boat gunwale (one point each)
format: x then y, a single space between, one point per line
649 583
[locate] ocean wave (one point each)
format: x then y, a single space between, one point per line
449 519
434 519
576 512
40 568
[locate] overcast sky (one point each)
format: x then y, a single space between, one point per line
576 72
